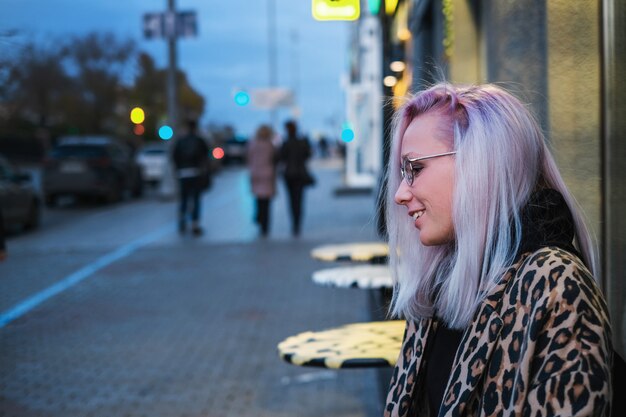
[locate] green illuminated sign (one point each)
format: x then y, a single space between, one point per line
374 6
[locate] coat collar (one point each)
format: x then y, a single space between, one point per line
410 359
546 220
477 344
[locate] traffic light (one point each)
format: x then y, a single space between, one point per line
137 115
336 9
139 130
218 153
347 134
242 98
374 6
166 132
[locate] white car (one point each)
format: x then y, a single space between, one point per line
153 160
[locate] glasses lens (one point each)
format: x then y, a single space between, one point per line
407 171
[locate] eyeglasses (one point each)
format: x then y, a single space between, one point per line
410 167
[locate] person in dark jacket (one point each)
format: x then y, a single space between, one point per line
294 153
191 158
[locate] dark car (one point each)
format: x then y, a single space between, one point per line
235 150
91 166
19 201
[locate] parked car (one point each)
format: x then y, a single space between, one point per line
18 199
153 161
91 166
235 150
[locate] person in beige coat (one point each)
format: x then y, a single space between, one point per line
261 159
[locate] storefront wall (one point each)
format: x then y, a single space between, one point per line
574 81
552 54
614 152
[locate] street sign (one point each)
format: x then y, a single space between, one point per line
272 98
153 25
167 24
186 25
336 9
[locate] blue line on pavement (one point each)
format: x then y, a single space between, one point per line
72 279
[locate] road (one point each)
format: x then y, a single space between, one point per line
108 311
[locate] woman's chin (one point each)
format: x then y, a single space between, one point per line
429 240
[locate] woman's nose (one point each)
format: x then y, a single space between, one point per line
403 193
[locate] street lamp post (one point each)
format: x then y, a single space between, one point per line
171 69
167 188
271 31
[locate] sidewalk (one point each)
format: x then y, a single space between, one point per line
189 327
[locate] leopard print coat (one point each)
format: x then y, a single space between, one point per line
539 345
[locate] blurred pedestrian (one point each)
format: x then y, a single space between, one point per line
294 153
262 159
323 147
191 160
493 266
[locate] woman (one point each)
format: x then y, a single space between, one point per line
261 160
493 266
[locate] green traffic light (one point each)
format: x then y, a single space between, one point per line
166 132
347 134
374 6
242 98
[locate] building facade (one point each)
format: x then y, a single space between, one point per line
567 59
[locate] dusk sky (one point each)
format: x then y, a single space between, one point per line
231 50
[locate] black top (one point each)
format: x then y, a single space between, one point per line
443 344
190 151
294 153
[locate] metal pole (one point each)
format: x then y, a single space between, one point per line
171 70
271 28
296 71
168 186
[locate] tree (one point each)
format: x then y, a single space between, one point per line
150 93
84 85
99 62
33 86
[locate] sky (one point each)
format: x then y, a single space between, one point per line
230 51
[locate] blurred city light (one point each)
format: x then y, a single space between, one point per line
390 81
374 6
242 98
166 132
137 115
347 134
390 6
139 130
397 66
336 9
218 153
